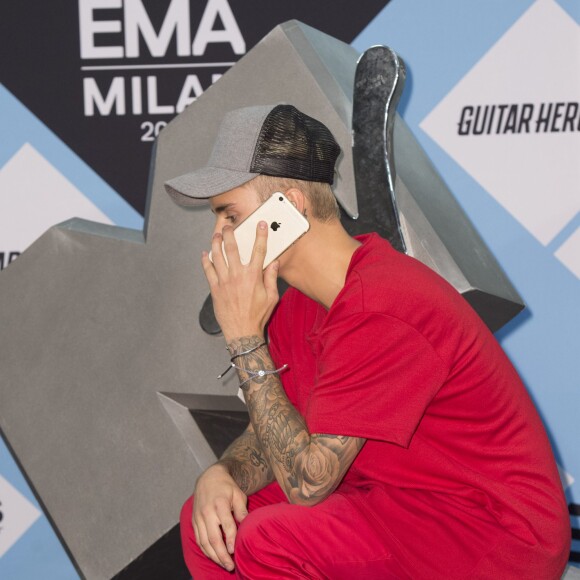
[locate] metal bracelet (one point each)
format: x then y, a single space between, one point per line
256 374
238 355
248 351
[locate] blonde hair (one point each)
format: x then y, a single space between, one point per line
322 201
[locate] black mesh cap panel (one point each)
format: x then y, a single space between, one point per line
292 144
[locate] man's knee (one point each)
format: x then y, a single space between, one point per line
188 541
191 552
185 517
263 536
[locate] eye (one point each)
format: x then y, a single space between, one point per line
232 218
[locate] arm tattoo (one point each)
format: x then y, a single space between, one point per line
245 461
307 467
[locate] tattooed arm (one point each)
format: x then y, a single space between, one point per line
245 462
221 496
307 466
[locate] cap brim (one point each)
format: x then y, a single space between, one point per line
197 187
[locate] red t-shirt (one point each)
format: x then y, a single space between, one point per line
457 462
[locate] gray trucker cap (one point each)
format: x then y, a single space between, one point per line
276 140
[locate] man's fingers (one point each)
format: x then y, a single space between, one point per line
260 245
209 269
202 541
216 542
228 525
240 506
270 279
219 262
230 247
211 541
197 536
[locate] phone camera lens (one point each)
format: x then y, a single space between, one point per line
281 198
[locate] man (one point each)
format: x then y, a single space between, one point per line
399 441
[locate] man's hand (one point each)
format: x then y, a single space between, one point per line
243 296
216 496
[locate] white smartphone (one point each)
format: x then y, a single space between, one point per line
285 225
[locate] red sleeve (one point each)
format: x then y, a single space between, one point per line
376 376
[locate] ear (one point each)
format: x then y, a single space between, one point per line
297 198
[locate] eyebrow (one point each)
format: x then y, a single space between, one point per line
222 208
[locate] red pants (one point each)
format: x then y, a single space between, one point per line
336 539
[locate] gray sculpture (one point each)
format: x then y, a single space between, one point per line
101 353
